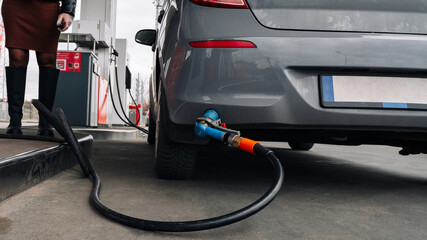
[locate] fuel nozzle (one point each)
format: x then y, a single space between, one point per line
210 125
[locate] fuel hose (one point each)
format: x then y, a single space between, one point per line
65 130
127 121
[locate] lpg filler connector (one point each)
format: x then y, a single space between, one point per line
207 126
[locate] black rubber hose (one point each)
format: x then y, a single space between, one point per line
61 128
112 100
49 116
120 99
118 91
185 226
128 122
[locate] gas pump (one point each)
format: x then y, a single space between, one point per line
81 91
84 88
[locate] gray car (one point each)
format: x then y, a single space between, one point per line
298 71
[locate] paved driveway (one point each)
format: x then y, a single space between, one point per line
331 192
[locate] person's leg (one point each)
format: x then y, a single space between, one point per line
47 60
48 79
16 75
18 57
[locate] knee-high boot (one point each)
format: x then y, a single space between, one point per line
48 79
15 81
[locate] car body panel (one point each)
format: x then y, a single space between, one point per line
386 16
276 85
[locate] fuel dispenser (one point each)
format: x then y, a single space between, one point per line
81 92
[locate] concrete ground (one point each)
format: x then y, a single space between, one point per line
331 192
25 123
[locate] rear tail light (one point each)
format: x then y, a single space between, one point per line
222 3
223 44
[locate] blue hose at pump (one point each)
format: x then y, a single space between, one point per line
202 128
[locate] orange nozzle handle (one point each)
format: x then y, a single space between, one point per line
248 145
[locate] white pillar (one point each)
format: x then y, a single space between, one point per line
99 18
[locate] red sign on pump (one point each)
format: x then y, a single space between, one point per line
69 61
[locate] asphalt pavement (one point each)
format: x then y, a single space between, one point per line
331 192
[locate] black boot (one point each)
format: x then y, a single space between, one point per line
15 81
48 79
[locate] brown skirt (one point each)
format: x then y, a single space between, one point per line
31 24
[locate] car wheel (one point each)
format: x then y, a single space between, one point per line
300 146
173 160
151 121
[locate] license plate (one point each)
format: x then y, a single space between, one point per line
373 92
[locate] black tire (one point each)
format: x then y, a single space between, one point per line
173 160
301 146
151 139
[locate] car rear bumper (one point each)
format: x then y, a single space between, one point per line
276 85
278 82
